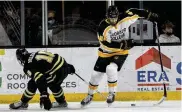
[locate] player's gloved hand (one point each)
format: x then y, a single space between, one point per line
45 101
71 69
153 16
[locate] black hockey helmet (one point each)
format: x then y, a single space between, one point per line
21 54
112 12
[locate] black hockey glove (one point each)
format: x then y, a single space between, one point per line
71 69
45 101
153 16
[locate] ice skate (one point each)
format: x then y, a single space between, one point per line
87 100
18 105
59 105
110 98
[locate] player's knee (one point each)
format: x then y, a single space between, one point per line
112 67
96 77
112 72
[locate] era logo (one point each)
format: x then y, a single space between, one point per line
179 70
151 76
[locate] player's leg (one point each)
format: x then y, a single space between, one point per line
96 77
112 75
93 85
26 97
56 88
111 72
58 94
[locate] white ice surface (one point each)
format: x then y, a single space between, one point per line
166 106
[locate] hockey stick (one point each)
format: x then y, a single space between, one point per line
162 71
160 57
88 85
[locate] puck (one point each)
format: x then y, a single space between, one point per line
133 104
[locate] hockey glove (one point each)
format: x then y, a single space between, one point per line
45 101
71 69
153 16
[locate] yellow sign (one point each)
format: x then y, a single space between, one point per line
2 51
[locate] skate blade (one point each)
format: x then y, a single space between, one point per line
83 106
109 104
59 108
18 109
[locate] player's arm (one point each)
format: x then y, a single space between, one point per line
41 84
114 45
38 77
142 13
40 80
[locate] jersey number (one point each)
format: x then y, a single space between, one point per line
47 56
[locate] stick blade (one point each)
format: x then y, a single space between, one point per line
160 101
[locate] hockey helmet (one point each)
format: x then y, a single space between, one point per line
112 12
21 54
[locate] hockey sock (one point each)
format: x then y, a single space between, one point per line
94 81
58 93
59 96
29 92
112 86
27 96
92 88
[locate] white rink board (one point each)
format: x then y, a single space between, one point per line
84 59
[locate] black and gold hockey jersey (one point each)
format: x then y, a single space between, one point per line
114 39
43 63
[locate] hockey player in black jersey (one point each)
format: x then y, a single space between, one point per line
46 70
113 35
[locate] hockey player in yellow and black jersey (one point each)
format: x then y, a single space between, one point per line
113 35
45 70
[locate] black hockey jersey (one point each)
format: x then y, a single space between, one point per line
114 39
43 63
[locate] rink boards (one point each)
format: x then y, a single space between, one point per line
139 79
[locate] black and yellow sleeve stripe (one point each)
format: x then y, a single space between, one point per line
51 78
100 38
139 12
115 45
103 27
37 76
58 64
